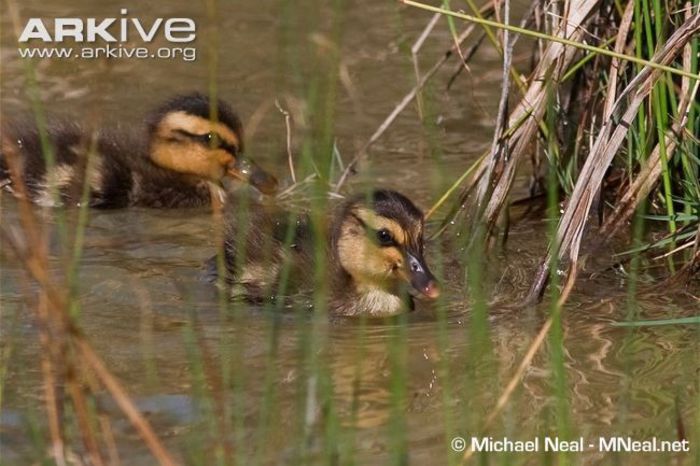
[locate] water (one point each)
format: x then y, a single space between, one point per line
415 383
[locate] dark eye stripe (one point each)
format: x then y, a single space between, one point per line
205 139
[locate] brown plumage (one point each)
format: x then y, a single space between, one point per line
371 245
178 160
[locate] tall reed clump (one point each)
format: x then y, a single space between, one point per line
610 107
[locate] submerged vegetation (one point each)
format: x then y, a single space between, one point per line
598 106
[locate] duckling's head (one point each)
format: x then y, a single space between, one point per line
186 137
379 243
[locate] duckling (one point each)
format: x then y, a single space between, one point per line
373 248
179 159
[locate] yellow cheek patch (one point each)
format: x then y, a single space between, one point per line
377 222
196 125
189 159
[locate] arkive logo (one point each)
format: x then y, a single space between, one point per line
122 29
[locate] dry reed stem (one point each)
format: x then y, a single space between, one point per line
81 412
288 126
499 145
620 43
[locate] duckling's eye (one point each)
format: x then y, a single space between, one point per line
384 237
210 139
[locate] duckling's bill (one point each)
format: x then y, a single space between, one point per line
422 281
246 170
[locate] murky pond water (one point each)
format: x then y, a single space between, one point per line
404 386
